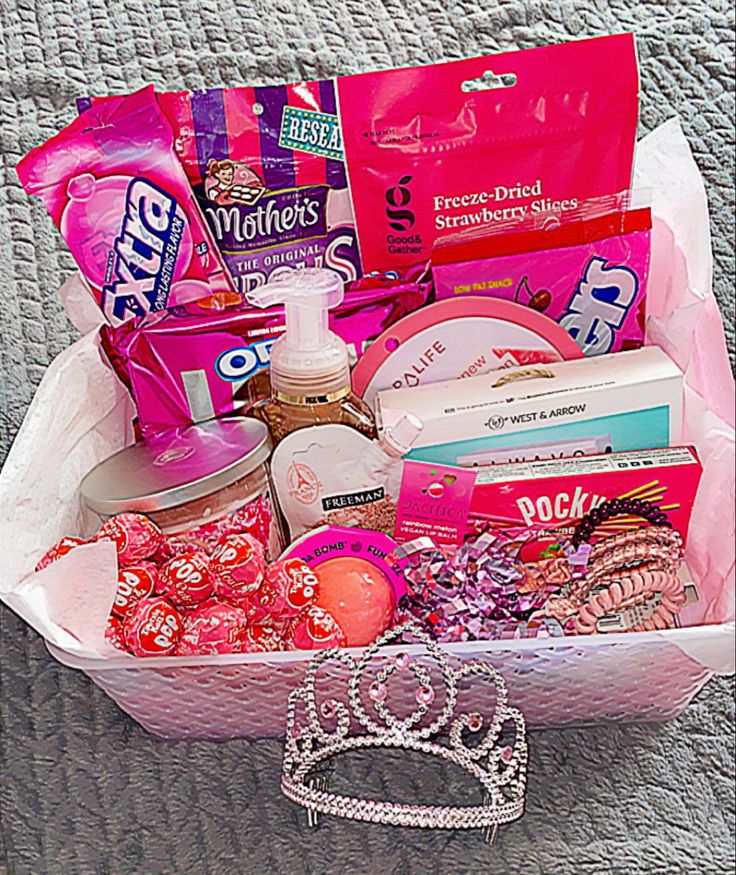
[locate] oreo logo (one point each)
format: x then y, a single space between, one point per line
242 362
397 199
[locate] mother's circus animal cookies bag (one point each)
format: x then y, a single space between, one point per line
267 167
436 149
114 188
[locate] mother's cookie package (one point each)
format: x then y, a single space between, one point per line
420 344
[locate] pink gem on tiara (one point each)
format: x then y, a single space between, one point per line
377 691
475 721
328 708
402 660
424 695
507 754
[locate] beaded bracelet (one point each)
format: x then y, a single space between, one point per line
618 507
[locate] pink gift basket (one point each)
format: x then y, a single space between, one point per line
81 415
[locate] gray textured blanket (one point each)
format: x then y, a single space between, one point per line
87 791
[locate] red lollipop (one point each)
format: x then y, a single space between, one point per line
314 629
135 582
214 628
237 564
114 633
288 588
60 548
186 579
153 627
262 638
135 536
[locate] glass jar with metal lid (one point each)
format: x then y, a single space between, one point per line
197 484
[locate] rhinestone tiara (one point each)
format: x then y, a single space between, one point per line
316 735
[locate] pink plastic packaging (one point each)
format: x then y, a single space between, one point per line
440 148
117 192
589 274
194 363
266 166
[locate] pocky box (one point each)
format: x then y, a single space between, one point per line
559 493
267 167
588 273
115 189
440 148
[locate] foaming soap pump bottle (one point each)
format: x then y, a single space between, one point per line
310 374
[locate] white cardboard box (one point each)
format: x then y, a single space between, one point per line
631 400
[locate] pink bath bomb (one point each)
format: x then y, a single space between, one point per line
358 595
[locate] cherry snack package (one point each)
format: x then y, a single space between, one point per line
587 272
266 165
440 148
115 189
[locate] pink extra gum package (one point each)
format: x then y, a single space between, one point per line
114 187
436 149
587 271
192 363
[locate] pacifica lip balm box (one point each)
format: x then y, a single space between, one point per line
611 403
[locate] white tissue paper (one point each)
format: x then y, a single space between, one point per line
82 414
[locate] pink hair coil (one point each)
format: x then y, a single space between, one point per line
626 592
663 535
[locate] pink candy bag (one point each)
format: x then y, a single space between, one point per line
589 273
116 190
436 149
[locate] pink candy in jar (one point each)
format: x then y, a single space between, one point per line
197 485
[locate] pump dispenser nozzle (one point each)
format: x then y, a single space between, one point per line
309 361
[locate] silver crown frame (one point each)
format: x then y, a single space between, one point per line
312 743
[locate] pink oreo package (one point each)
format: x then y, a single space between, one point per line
436 149
117 192
192 363
588 273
